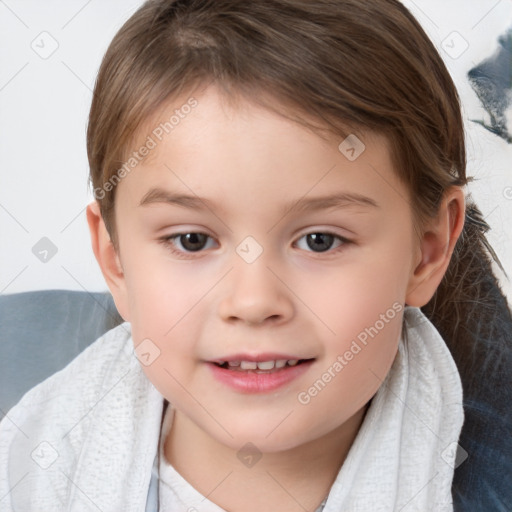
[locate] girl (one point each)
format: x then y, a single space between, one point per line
278 192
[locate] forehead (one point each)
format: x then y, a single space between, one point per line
205 144
206 105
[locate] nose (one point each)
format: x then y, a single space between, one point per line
256 294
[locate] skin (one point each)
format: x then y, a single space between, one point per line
295 298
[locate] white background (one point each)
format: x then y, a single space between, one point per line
44 104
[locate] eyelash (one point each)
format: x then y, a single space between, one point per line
167 241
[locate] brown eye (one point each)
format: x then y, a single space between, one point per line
190 243
320 242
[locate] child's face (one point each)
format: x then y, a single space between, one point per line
257 285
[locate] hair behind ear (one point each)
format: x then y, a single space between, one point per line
469 308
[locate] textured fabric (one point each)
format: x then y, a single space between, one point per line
404 455
87 437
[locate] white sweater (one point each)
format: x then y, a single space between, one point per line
86 438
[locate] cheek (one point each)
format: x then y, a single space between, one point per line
160 291
353 297
361 313
352 371
166 347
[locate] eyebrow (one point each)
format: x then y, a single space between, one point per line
338 200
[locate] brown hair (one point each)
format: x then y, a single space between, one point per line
345 63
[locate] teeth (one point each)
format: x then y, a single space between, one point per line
263 365
248 365
266 365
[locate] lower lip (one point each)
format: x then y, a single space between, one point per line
252 382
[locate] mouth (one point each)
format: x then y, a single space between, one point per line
263 376
270 366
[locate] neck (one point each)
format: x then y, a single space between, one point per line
293 480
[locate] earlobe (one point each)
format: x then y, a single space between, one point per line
108 259
436 246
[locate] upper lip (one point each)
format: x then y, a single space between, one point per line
258 358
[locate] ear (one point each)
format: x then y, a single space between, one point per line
107 258
436 248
